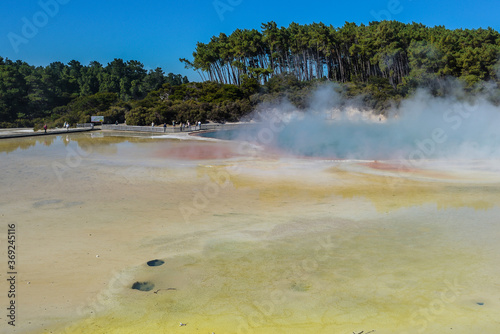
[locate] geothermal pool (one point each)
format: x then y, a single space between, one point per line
245 239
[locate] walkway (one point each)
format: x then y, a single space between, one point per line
14 134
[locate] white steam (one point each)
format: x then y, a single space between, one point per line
422 127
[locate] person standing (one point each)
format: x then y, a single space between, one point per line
45 128
164 127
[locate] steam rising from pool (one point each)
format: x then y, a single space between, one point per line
422 127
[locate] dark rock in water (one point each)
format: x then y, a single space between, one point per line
143 286
480 304
155 263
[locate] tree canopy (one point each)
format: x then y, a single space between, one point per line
398 52
28 93
379 63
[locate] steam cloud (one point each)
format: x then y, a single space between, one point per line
422 127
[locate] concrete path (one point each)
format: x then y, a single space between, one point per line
14 134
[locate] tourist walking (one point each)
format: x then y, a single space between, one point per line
45 128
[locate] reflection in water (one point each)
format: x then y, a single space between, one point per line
11 145
88 142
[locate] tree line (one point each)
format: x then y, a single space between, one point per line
379 64
402 54
29 93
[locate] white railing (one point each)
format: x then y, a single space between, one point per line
169 129
84 125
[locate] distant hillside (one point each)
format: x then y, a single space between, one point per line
30 94
378 65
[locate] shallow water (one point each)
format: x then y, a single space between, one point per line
256 243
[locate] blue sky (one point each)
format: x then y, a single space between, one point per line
158 33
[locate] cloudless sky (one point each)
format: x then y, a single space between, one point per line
159 32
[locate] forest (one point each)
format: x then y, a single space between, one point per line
31 95
382 62
391 50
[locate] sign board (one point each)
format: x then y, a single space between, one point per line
95 119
